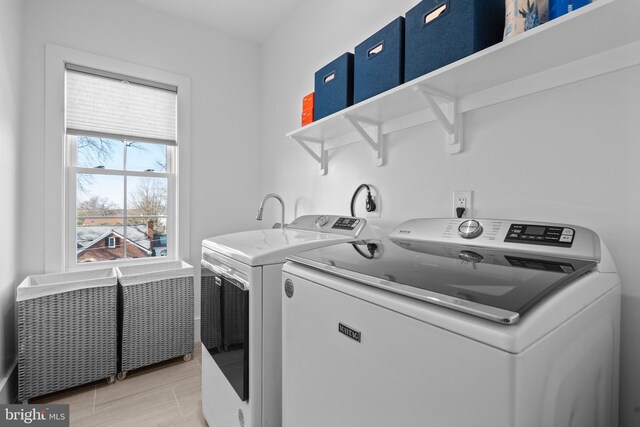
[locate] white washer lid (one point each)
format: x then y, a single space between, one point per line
542 320
270 246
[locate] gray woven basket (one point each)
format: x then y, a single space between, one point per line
66 339
157 319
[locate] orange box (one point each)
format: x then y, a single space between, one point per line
307 118
307 103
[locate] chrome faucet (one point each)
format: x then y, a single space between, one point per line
270 196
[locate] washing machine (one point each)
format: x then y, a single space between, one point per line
453 323
241 318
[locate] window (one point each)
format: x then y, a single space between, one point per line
121 194
121 142
116 138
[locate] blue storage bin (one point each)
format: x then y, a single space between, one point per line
439 32
379 62
333 87
558 8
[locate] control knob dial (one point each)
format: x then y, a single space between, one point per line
322 220
470 229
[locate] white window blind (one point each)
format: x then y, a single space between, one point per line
119 107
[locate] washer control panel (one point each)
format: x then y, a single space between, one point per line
346 223
544 238
541 235
343 225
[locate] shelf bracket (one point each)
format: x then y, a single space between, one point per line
450 118
322 158
374 139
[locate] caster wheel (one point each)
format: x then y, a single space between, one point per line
187 357
122 375
111 379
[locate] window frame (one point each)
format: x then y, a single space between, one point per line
73 170
60 245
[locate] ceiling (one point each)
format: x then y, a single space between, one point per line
252 20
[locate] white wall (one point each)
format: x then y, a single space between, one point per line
567 155
225 107
11 20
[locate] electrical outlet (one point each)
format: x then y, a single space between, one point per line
463 199
376 213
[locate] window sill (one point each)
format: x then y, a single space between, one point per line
121 263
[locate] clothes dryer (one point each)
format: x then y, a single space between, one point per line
241 318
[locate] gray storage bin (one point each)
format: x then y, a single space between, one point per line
156 313
67 331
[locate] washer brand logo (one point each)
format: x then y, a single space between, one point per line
36 415
404 231
351 333
288 288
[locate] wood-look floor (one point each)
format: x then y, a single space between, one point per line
166 394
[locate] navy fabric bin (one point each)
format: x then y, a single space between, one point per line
439 32
333 87
379 62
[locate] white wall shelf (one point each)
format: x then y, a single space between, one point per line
597 39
